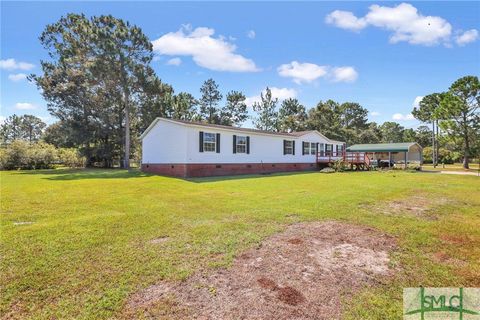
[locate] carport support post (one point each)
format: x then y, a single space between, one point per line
389 158
406 157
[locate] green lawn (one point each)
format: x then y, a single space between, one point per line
474 167
75 243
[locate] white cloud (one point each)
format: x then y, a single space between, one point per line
251 34
404 20
25 106
279 93
374 113
416 102
174 62
344 74
401 117
17 77
466 37
345 20
11 64
302 72
308 72
208 52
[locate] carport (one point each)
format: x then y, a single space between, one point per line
401 153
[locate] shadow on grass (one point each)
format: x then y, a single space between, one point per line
65 174
91 173
247 176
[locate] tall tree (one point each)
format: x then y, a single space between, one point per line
326 119
291 116
32 127
409 135
461 113
211 96
423 136
353 121
95 80
428 113
26 127
123 58
391 132
184 107
234 113
156 100
11 129
58 135
372 134
266 109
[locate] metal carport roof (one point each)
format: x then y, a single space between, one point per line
382 147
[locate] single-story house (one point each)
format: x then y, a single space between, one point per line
194 149
400 153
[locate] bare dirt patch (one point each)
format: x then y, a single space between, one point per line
22 223
305 279
419 205
159 240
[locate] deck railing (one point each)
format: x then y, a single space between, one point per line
350 157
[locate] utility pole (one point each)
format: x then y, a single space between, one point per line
434 153
437 151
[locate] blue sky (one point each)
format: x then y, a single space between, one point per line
381 54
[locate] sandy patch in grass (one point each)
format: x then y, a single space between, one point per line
159 240
22 223
419 205
301 273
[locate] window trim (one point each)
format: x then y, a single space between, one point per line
291 147
305 148
313 148
237 144
209 142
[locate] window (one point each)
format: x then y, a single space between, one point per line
339 149
209 142
328 149
313 148
306 148
321 148
309 148
241 145
288 146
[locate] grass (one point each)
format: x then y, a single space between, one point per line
76 243
474 167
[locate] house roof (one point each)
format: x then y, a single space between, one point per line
382 147
231 128
219 126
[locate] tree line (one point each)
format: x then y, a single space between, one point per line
456 113
99 84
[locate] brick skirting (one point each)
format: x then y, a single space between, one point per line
183 170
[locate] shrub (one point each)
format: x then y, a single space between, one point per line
339 165
41 156
444 156
70 157
15 155
24 155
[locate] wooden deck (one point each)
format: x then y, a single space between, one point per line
356 160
